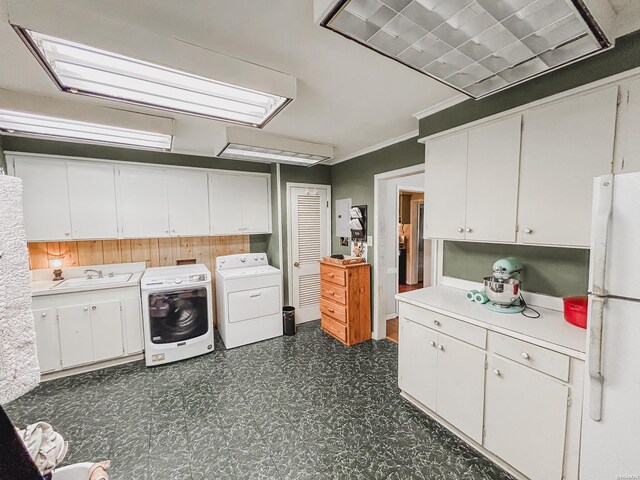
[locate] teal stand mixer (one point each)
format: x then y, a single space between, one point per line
503 287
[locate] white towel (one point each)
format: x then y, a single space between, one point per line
19 369
46 446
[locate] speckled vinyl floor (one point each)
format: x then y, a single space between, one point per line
302 407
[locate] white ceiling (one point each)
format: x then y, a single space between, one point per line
348 96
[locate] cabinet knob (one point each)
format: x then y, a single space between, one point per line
67 233
86 308
496 372
166 230
468 230
43 314
332 293
436 323
525 355
440 347
173 230
94 307
432 343
528 231
296 264
460 230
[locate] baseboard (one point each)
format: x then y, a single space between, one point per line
91 367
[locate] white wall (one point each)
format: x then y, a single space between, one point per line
388 242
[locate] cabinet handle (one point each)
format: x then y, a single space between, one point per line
432 343
93 308
86 308
440 347
166 230
468 230
496 372
173 230
331 310
460 229
436 323
332 293
525 355
528 231
67 233
44 314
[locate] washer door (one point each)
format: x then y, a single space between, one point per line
178 316
249 304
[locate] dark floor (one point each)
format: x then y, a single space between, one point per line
403 287
289 408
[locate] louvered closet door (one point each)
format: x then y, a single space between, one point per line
309 212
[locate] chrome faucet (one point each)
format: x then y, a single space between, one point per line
97 272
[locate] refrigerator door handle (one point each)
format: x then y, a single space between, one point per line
602 207
596 379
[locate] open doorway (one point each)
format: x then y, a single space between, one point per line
410 247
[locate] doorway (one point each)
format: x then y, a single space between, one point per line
308 240
387 189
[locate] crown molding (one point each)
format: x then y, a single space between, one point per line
373 148
450 102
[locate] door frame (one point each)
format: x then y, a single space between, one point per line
379 320
399 189
415 239
291 185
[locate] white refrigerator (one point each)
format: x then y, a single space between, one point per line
611 416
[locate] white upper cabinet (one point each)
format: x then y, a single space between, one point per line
493 164
627 138
239 204
45 198
471 183
564 145
188 203
446 187
143 202
92 196
256 204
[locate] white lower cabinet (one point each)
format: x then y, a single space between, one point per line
47 339
509 398
74 329
526 419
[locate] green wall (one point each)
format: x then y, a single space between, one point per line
3 161
553 271
624 56
354 178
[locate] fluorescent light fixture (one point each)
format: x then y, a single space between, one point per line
20 123
244 144
78 68
478 47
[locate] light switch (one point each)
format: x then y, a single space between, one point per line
370 240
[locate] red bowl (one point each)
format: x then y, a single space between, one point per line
575 311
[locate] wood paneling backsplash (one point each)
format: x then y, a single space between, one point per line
156 252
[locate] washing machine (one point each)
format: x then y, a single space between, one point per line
177 313
248 298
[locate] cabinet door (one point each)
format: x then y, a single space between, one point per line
446 187
133 325
225 196
461 371
256 205
525 419
47 339
45 198
106 328
417 362
143 202
492 181
627 137
76 340
188 203
92 196
564 145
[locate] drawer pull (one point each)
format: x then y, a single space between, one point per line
332 275
44 314
86 308
436 323
496 372
255 294
432 343
332 293
440 347
525 355
331 310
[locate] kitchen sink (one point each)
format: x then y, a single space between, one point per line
89 282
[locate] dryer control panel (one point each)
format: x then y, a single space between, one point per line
241 260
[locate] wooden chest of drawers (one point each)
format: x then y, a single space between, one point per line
345 301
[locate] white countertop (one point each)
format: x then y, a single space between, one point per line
42 284
549 331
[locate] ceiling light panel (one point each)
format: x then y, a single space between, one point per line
251 153
476 46
78 68
20 123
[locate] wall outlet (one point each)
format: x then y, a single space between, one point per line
369 240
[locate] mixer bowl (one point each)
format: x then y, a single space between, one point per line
505 292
